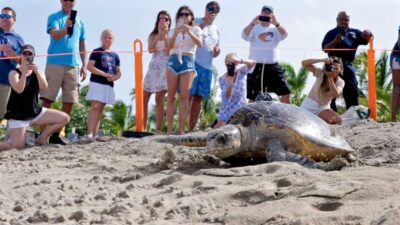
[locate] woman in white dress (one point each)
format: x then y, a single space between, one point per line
155 80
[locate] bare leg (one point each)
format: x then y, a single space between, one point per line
5 145
172 81
330 116
285 99
96 109
185 84
53 120
146 98
195 107
159 109
17 137
395 93
220 123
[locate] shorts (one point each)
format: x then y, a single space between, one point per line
101 92
14 124
65 77
5 91
273 81
177 67
395 61
313 106
201 85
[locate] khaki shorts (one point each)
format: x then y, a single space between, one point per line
65 77
5 91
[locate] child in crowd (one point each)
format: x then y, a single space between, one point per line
233 87
327 86
184 40
23 108
104 64
155 80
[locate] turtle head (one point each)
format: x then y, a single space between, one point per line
224 141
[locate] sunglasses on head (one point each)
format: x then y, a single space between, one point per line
27 53
69 0
184 14
5 16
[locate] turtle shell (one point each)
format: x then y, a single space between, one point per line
312 135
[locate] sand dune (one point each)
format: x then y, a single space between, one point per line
138 181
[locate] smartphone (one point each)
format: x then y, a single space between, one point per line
341 30
30 58
179 22
72 17
264 18
230 69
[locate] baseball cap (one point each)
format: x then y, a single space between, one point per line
28 48
268 7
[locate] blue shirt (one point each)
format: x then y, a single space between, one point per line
15 41
106 62
352 39
210 36
65 44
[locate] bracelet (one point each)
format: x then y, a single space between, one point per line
277 25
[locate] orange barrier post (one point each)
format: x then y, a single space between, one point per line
139 84
371 79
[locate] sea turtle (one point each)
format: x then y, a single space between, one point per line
273 131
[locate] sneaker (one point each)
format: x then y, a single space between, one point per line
55 139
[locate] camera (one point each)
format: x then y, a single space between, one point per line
212 9
328 67
264 18
231 69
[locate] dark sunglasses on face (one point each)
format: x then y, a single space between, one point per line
27 53
166 19
184 14
69 0
5 16
212 9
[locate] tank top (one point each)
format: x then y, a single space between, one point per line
24 106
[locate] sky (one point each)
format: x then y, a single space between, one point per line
306 21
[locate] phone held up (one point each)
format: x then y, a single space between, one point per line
180 22
72 17
264 18
231 69
30 59
341 30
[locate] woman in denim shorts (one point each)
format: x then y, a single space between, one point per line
395 64
183 40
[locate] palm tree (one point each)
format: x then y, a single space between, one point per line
297 82
383 83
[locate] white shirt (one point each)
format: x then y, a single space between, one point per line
184 43
211 36
264 51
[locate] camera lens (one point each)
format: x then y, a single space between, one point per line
328 67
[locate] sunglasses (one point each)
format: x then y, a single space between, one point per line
184 14
5 16
212 9
26 53
69 0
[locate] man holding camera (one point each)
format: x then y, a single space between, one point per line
344 37
67 37
264 34
10 44
201 86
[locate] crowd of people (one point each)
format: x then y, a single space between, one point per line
181 65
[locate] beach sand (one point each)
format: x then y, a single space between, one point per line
139 181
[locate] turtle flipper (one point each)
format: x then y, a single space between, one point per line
276 153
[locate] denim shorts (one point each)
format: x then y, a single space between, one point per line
201 85
177 67
395 61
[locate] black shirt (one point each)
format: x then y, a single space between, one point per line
24 106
